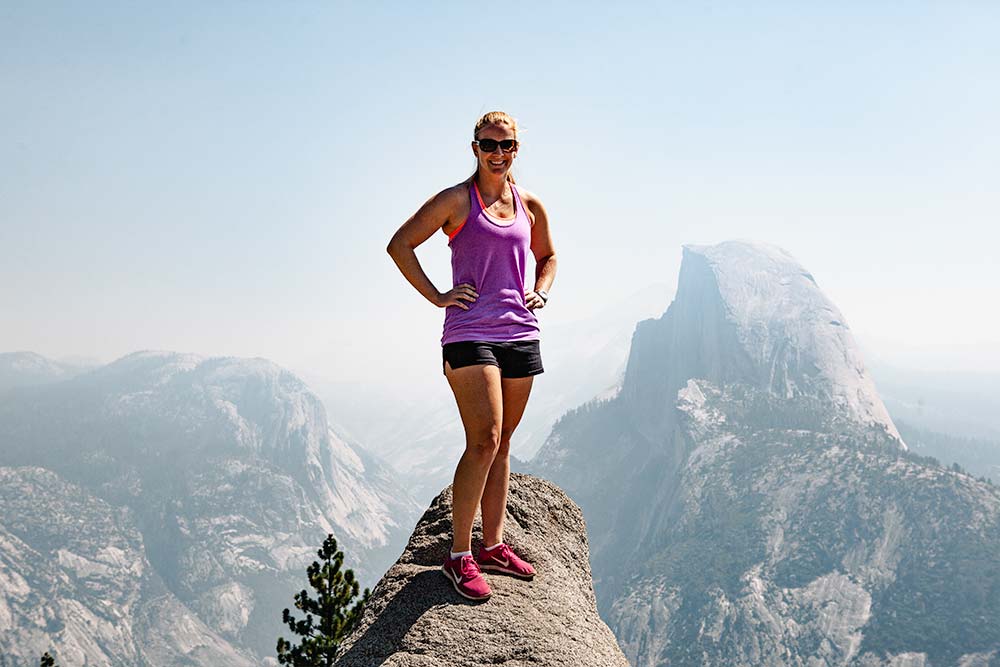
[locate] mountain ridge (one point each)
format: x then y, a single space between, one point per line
750 501
230 473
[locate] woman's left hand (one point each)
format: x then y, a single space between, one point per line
533 301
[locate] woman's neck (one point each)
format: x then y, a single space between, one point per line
490 186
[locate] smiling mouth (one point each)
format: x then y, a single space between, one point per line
498 164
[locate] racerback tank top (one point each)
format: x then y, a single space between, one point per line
491 254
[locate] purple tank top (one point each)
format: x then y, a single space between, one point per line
491 254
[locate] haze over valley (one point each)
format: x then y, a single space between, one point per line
206 484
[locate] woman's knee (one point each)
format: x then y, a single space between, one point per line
484 443
503 448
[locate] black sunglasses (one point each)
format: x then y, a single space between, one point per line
490 145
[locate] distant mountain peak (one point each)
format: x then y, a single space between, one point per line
25 369
749 502
231 474
749 312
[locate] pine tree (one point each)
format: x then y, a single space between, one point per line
336 618
48 660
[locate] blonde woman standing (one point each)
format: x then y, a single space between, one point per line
490 346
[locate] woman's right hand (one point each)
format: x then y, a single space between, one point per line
457 295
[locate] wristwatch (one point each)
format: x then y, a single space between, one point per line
542 293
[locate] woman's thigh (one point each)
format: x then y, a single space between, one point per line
515 397
479 395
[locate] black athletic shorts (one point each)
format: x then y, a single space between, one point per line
516 359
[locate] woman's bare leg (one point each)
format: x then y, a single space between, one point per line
479 396
515 393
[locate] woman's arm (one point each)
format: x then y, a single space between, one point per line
543 250
432 216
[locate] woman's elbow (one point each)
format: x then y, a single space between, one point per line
395 245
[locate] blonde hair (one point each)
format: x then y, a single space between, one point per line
493 118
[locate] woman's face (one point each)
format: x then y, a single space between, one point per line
498 162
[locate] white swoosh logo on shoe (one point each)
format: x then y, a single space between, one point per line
457 577
503 561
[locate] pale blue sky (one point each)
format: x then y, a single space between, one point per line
223 179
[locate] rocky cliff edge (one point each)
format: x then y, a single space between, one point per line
416 619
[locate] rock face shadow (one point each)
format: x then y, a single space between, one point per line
423 591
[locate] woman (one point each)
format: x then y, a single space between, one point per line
491 335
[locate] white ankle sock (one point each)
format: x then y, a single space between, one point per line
459 554
493 547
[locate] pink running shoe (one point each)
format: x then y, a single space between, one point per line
503 559
465 575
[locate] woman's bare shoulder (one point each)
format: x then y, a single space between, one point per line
529 197
457 192
453 198
531 202
454 204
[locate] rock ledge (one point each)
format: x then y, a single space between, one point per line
416 619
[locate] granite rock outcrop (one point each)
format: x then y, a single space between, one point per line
416 619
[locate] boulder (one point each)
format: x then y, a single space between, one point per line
416 619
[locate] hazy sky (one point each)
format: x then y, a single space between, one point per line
223 178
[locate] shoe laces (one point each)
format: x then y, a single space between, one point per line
503 551
469 567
